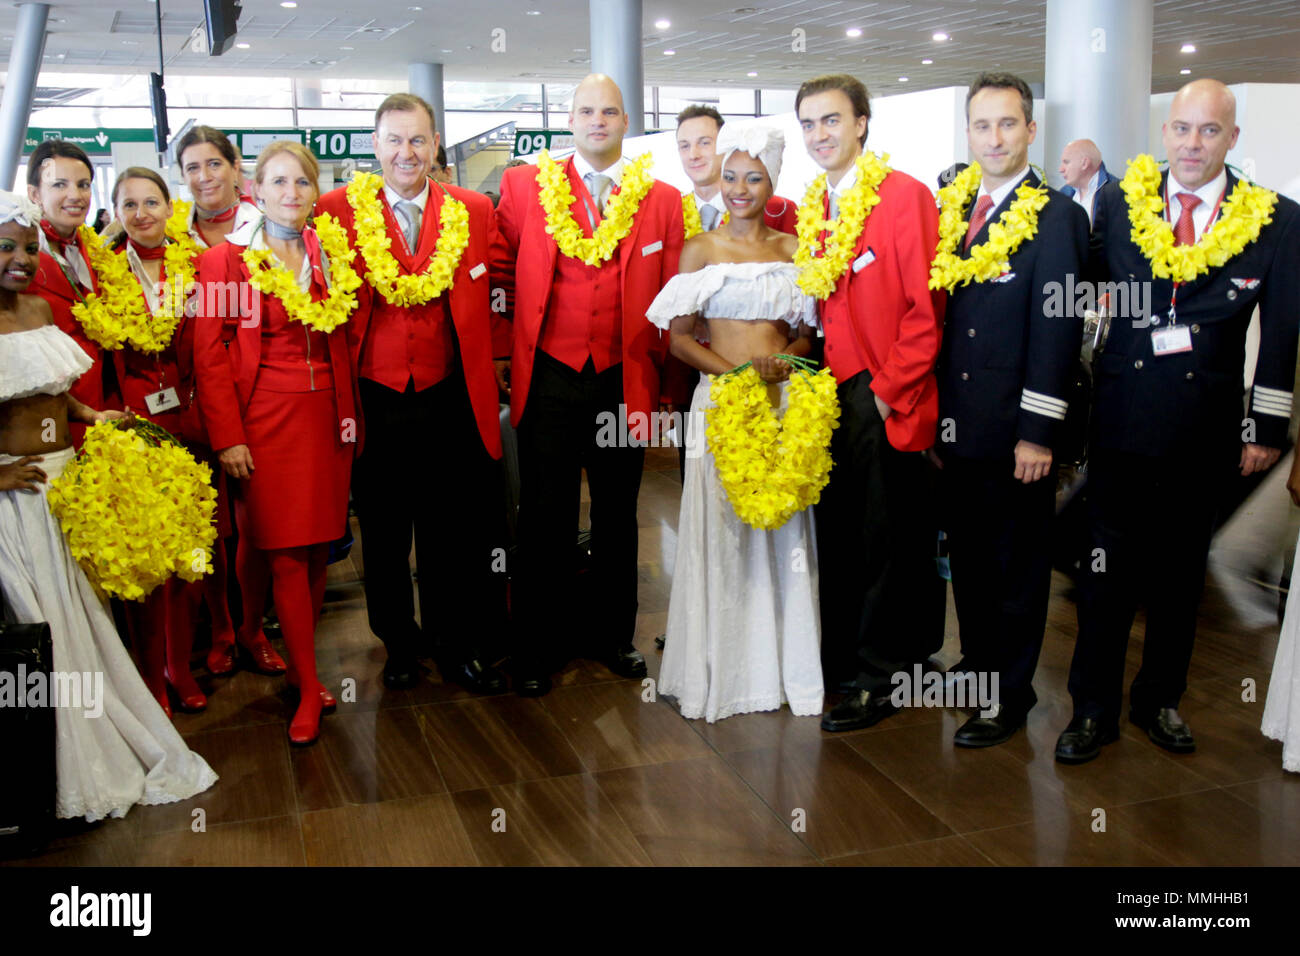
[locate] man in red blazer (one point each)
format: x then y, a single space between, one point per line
585 384
876 529
431 464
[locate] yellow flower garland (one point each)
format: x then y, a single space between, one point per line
771 469
332 311
616 222
1241 217
136 508
819 273
118 315
691 216
990 258
382 269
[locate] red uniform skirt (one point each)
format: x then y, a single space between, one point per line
298 492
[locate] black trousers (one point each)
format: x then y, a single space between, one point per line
560 435
424 473
882 600
1150 524
999 548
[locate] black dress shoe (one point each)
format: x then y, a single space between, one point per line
861 708
1166 729
1083 739
474 676
989 731
401 673
625 661
532 685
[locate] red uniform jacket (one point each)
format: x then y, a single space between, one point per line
228 348
882 316
52 285
481 334
781 214
523 264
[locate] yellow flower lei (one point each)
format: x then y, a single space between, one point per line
382 270
136 508
990 258
819 274
691 216
557 198
1241 217
117 315
332 311
772 469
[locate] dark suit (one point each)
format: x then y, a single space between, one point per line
1007 360
1103 178
1167 435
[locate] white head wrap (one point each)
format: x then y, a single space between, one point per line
764 143
19 209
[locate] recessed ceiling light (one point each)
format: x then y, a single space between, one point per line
752 73
373 30
347 48
243 46
853 32
579 49
939 37
290 4
131 42
448 51
1184 72
534 13
670 52
415 9
663 24
926 62
902 79
1188 48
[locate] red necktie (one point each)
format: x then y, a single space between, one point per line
144 252
1184 229
977 220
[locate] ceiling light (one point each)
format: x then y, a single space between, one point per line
579 49
533 13
670 52
926 62
939 37
853 33
131 42
243 46
1184 72
902 79
752 73
663 24
347 48
289 4
1188 48
415 9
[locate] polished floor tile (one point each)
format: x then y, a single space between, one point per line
1213 828
946 851
275 841
418 831
1067 833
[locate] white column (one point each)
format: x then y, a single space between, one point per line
20 86
616 52
425 81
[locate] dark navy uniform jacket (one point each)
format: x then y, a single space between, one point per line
1190 403
1011 344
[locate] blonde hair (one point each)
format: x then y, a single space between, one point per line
298 151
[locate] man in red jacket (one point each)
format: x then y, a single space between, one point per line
876 531
585 377
430 466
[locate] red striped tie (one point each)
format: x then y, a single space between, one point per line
1184 229
977 220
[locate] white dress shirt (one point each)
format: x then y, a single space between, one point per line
1208 195
1084 196
1002 191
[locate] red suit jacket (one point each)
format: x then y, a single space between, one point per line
882 315
52 285
523 264
480 333
227 373
781 214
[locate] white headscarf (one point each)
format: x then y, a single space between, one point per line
764 143
19 209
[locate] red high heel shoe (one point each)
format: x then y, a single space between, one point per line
304 729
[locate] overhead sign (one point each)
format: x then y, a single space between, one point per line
93 141
250 142
529 141
342 143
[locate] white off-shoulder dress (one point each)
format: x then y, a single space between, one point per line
1282 705
123 750
743 630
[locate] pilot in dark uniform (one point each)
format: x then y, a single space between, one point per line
1170 428
1010 348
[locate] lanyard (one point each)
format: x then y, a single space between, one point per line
1214 214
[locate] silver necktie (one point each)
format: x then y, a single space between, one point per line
411 229
835 206
598 185
709 217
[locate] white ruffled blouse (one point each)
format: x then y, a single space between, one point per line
40 361
759 291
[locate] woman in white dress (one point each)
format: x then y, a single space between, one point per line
1282 706
119 748
743 628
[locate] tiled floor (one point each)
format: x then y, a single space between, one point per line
596 774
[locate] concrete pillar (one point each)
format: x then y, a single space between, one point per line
1098 79
616 52
20 86
425 81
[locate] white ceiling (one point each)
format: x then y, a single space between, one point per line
716 42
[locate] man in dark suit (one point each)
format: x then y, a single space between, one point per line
876 527
583 354
1003 376
1084 174
431 468
1168 424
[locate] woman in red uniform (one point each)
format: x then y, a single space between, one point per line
211 169
279 402
58 180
